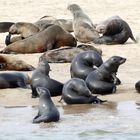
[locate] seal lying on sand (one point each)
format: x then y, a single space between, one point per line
40 78
83 28
13 80
66 54
47 110
84 63
4 26
115 31
103 80
51 38
8 62
137 86
43 22
75 91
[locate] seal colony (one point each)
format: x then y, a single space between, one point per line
89 75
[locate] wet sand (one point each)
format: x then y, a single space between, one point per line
31 11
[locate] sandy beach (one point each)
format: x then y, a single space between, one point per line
31 11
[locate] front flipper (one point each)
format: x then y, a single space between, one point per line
39 119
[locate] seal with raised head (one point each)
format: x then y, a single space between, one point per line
40 77
83 28
13 80
51 38
8 62
47 109
66 54
103 80
75 91
137 86
115 31
84 63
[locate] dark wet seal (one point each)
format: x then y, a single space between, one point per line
103 80
75 91
137 86
40 77
4 26
84 63
47 111
115 31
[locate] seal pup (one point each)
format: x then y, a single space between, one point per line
115 31
51 38
83 28
4 26
47 109
14 80
137 86
103 80
84 63
40 77
8 62
75 91
66 54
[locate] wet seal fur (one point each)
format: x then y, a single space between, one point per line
115 31
8 62
14 80
47 109
137 86
66 54
103 80
83 28
51 38
84 63
40 78
75 91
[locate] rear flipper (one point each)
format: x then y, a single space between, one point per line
101 87
104 40
8 39
39 119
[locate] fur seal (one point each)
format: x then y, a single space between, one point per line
137 86
8 62
103 80
84 63
40 77
51 38
75 91
83 28
47 109
66 54
43 22
4 26
115 31
13 80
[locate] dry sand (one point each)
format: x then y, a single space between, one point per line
32 10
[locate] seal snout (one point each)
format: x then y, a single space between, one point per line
122 60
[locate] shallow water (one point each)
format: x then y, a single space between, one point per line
78 122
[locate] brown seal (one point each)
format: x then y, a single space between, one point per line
115 31
8 62
43 22
84 30
66 54
51 38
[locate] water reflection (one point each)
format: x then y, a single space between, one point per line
79 122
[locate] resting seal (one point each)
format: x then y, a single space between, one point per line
83 28
8 62
13 80
75 91
66 54
51 38
103 80
47 110
84 63
40 77
114 30
137 86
